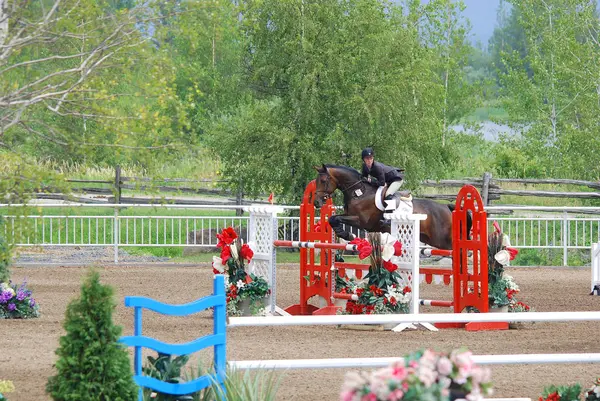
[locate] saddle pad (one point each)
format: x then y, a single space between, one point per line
378 198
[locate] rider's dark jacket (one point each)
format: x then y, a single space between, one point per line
382 174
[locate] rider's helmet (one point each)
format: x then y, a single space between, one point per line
367 152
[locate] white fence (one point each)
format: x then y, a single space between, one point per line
190 226
411 318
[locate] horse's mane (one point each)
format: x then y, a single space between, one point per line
346 168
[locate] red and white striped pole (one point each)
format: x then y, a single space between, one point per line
317 245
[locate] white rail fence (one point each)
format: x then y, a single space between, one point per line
412 318
122 226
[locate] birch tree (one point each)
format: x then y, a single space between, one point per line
551 93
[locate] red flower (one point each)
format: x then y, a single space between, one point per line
376 290
227 236
370 309
389 266
497 227
397 248
225 254
215 271
248 279
363 247
512 252
359 291
406 290
552 397
246 252
523 305
510 293
353 308
393 301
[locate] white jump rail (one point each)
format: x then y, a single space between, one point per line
312 320
334 363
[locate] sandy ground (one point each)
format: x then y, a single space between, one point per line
27 346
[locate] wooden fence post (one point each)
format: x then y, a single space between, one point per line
239 199
117 184
485 188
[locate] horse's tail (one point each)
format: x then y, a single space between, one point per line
469 220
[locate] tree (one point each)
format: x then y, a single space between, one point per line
92 364
80 81
508 38
552 91
328 78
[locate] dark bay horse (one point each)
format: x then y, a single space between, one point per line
360 210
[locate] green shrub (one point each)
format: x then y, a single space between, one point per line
92 364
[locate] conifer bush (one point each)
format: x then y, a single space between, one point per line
92 364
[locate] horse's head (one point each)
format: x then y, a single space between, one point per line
326 185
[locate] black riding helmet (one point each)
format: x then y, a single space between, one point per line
367 152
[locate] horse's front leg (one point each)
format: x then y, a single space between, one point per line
337 221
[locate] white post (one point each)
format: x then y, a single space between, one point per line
406 228
595 266
116 235
263 231
565 238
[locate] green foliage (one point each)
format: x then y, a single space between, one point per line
92 364
261 385
168 370
5 254
329 78
547 90
249 386
565 393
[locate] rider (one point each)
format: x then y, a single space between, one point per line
379 174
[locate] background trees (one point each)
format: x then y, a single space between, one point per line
267 88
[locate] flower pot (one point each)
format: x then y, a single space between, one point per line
498 309
457 395
259 306
340 302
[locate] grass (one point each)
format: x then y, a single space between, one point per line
490 111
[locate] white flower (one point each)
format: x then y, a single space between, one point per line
502 257
240 284
444 366
234 251
387 243
218 264
6 288
505 240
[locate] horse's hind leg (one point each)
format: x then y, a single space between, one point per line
337 221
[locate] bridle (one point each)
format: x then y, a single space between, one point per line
327 192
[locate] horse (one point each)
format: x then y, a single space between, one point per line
360 210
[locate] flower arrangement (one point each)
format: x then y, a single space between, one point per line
423 375
561 393
383 289
242 287
593 393
502 288
17 302
6 387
